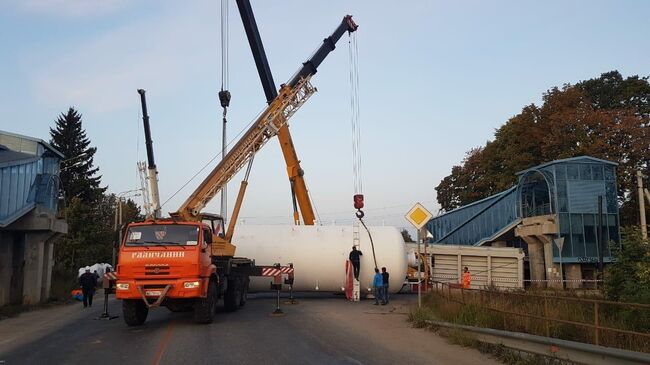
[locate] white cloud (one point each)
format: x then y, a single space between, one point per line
72 8
160 54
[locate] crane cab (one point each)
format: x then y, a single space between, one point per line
218 242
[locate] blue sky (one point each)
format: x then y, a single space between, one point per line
436 79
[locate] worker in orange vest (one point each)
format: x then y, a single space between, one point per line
467 278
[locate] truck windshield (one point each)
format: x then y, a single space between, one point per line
162 235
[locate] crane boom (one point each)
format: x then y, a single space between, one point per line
152 170
266 126
300 194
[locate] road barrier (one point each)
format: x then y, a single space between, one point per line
575 352
600 316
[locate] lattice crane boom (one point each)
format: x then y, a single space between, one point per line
274 117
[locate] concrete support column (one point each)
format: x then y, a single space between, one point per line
33 274
573 272
48 263
552 271
520 272
536 261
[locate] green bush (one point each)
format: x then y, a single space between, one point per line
627 279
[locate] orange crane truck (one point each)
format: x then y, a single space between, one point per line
187 261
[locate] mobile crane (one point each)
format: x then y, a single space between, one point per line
187 261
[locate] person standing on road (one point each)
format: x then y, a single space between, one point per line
88 282
467 278
378 286
355 259
384 278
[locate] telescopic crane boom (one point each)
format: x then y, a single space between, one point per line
299 192
152 171
271 121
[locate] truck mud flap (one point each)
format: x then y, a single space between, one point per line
160 298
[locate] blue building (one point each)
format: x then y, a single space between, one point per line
558 199
29 224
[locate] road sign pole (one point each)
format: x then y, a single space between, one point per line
418 216
419 262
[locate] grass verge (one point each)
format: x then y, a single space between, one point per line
499 310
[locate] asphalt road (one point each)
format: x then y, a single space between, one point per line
319 330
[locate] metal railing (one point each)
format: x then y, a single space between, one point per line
607 323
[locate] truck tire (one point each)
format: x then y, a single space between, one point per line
134 311
232 297
205 308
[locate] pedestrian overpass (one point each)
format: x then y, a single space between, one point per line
29 225
552 200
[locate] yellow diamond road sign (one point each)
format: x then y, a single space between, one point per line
418 216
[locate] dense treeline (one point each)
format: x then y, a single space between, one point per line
88 210
606 117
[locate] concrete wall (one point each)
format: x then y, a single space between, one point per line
6 255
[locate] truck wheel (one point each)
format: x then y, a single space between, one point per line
134 311
205 308
233 295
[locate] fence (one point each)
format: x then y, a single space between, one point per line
601 322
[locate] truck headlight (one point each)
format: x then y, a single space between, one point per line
122 286
191 284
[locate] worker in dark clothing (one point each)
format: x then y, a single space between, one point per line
88 282
384 278
355 259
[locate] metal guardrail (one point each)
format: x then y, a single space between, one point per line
484 299
576 352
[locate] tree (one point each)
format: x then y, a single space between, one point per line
607 117
627 278
78 176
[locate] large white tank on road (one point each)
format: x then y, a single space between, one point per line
319 253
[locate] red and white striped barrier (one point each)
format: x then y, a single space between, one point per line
275 271
110 276
271 271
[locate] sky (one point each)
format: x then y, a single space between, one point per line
436 79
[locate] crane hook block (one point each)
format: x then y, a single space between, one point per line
359 213
224 98
358 201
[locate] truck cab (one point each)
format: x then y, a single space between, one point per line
173 264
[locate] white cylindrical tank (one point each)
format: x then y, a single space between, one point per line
319 253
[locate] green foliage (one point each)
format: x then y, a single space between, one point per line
627 279
89 212
77 175
507 311
420 316
607 117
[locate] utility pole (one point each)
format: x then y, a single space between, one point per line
644 227
118 220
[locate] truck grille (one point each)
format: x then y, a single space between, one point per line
156 270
